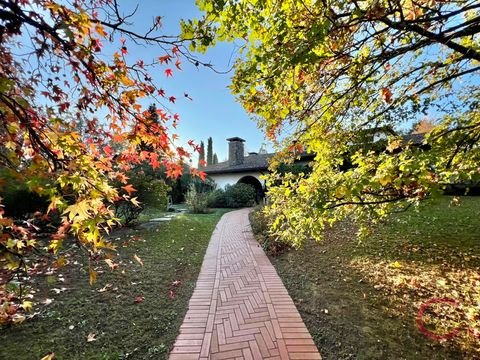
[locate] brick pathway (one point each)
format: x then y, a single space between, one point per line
240 308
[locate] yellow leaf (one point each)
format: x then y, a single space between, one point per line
396 265
101 30
50 356
140 261
93 276
78 210
125 80
27 305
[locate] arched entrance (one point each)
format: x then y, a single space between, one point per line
253 181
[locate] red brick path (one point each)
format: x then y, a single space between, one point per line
240 308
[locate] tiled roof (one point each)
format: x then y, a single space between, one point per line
253 162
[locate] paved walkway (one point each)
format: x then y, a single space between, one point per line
240 308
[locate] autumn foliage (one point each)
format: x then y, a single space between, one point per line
72 122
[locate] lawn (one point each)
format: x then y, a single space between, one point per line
132 312
361 300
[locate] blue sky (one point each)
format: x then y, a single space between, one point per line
213 111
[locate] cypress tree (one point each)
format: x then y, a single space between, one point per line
210 151
215 159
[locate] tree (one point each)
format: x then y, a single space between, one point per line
210 151
326 76
215 159
201 155
71 121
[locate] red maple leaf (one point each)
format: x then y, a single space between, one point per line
161 92
138 299
172 99
107 150
178 64
168 72
386 95
129 188
164 59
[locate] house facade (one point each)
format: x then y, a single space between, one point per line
242 168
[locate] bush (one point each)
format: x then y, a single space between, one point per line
151 192
260 229
217 199
18 201
196 201
240 195
127 212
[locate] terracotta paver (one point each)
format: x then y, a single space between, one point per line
240 308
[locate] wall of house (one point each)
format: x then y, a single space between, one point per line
229 179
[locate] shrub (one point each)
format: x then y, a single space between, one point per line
217 199
239 195
260 228
196 201
127 212
18 201
151 191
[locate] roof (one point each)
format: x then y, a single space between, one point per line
417 139
253 162
236 138
257 162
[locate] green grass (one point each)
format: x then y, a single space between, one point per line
360 300
123 329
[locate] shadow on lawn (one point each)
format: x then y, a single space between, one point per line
360 301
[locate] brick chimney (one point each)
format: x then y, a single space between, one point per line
235 151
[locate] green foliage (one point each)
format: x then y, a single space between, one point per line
260 227
127 212
330 77
215 159
239 195
210 151
197 201
151 192
217 199
19 201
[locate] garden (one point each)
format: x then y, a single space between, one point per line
411 290
105 219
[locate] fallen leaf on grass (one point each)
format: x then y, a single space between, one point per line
396 265
172 294
111 264
47 301
105 288
91 337
139 299
50 356
137 258
176 283
18 318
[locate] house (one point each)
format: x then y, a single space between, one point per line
243 168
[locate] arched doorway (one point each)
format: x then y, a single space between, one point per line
253 181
